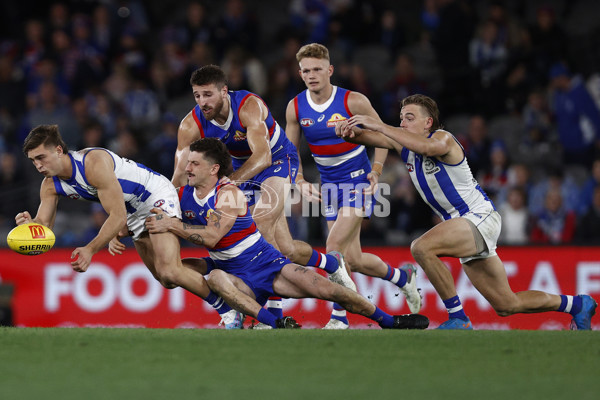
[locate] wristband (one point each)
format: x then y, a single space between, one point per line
377 168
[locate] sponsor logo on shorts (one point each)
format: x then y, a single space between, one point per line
356 173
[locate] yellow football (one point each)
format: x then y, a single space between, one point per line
30 239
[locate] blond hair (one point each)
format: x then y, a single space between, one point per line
313 50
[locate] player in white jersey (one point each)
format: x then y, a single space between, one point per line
438 167
127 191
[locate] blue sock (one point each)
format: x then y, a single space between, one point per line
570 304
382 318
397 276
267 318
275 306
217 303
455 308
324 261
339 313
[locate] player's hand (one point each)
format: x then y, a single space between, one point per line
344 130
82 257
309 191
365 122
23 218
115 246
373 178
225 180
159 222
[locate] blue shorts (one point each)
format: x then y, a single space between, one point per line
348 194
259 272
285 166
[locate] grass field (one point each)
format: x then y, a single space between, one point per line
73 363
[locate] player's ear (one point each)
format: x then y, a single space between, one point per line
330 70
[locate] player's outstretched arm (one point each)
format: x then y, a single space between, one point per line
187 133
46 213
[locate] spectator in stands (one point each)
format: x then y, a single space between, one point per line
515 218
488 57
549 40
495 177
577 117
554 224
555 180
477 144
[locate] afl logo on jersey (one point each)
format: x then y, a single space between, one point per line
239 135
189 214
306 122
159 203
335 118
74 196
410 167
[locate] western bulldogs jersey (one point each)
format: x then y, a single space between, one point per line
233 246
337 160
233 133
450 190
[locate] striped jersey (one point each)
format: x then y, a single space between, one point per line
336 159
234 245
137 181
449 189
233 133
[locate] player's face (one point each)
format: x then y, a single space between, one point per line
210 99
46 159
199 169
315 73
414 119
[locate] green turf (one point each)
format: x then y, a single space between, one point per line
70 363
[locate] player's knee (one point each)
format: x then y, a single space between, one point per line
504 309
167 279
417 248
215 279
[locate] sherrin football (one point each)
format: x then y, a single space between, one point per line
30 239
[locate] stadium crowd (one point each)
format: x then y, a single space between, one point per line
518 83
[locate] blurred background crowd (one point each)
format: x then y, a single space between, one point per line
517 82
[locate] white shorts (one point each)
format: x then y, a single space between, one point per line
164 196
489 225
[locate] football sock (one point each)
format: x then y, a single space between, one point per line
455 308
397 276
275 306
339 313
570 304
324 261
217 302
267 318
382 318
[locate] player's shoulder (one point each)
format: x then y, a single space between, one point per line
188 128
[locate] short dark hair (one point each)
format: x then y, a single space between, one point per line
209 74
215 151
428 104
48 135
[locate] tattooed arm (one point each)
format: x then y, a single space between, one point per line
231 204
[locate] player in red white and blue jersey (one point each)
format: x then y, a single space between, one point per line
244 268
347 178
264 160
438 168
128 192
